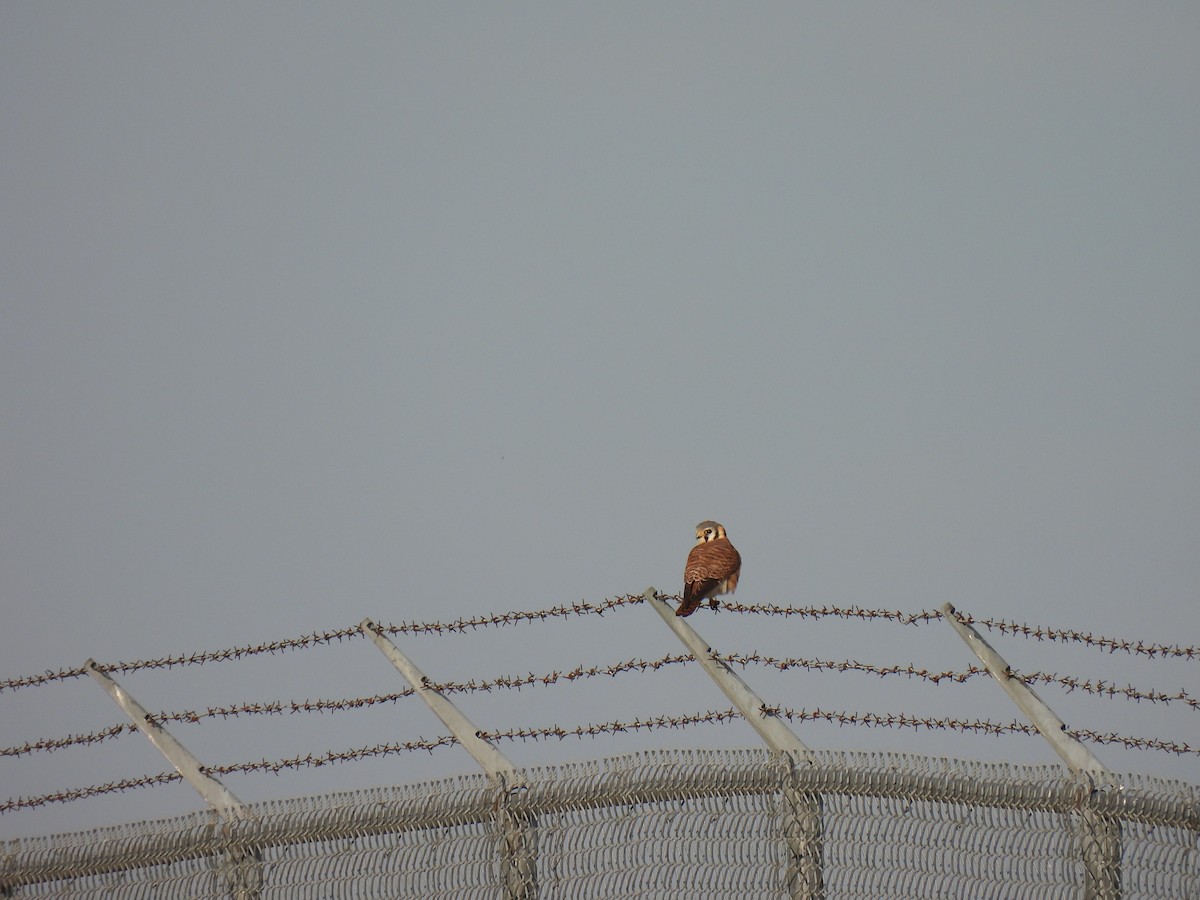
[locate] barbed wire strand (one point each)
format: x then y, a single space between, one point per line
840 718
506 682
296 762
319 638
585 608
1018 629
191 659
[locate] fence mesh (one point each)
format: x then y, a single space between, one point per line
660 824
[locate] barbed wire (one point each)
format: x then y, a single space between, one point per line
319 638
823 612
296 762
1098 688
870 720
494 620
274 707
14 804
585 608
900 720
506 682
840 718
1099 642
49 745
191 659
1018 629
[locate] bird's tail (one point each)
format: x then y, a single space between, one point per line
687 607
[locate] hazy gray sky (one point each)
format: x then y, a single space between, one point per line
317 312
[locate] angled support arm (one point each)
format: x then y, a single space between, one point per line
214 793
491 760
771 729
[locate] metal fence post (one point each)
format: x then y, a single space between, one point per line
1099 835
803 835
242 871
518 830
802 827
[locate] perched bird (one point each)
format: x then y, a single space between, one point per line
713 568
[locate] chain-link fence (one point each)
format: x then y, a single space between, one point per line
663 824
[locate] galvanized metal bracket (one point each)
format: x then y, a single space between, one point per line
215 794
491 760
242 866
1100 835
803 825
518 830
770 728
1077 757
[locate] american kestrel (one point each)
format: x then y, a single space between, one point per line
713 568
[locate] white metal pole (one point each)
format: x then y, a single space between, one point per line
518 854
1101 835
214 793
777 735
803 826
1078 757
243 866
491 760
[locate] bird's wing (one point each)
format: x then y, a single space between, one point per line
708 565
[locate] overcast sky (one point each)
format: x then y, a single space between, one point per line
418 311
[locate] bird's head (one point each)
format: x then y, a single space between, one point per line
709 531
